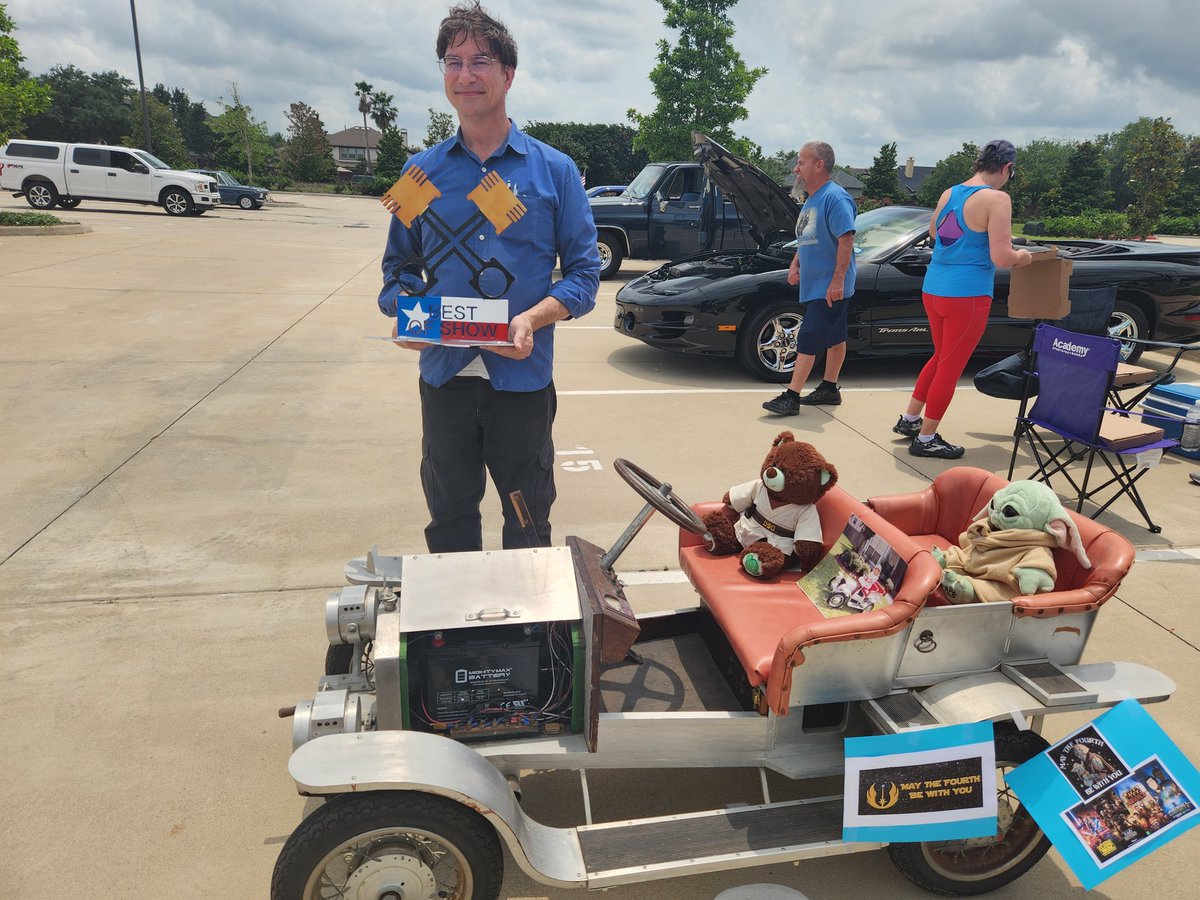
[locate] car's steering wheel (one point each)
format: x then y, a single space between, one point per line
660 496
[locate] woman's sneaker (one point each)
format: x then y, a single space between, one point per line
905 427
935 449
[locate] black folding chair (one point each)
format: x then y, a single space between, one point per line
1071 422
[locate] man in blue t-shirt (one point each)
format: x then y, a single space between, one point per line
824 269
485 214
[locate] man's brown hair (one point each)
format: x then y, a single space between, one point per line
471 19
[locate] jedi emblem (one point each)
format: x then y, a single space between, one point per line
885 797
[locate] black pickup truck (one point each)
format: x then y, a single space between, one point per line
668 211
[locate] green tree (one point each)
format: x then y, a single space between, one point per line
1156 164
84 108
241 141
306 156
1186 199
191 118
169 145
392 155
778 166
701 83
1040 165
20 96
1117 150
1084 182
604 152
383 110
954 169
365 93
441 127
881 181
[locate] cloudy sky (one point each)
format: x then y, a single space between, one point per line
928 74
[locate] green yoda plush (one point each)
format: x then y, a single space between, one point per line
1006 551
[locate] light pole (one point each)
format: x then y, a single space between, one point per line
137 46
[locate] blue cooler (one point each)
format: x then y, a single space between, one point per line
1172 400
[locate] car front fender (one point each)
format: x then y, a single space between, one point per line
414 761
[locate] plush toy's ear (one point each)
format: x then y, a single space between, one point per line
1067 535
784 438
983 513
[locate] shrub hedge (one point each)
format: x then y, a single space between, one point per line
29 219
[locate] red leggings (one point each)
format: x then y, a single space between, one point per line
956 324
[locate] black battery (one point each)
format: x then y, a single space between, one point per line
487 682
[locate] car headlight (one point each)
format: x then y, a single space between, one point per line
203 187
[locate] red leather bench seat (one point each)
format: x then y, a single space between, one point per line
937 515
768 623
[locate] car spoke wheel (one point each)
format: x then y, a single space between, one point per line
611 255
41 195
246 203
1128 321
767 348
390 844
980 865
68 202
176 202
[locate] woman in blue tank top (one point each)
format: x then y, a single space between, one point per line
971 231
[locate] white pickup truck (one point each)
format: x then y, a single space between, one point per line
48 173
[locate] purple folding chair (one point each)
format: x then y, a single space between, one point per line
1075 373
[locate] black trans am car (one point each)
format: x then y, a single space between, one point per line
738 303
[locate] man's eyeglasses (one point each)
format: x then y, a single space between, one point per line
453 65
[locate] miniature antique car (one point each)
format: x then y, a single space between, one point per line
449 675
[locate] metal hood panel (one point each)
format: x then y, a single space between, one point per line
768 208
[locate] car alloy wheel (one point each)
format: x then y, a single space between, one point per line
1128 321
767 348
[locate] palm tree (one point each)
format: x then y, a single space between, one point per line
363 92
383 110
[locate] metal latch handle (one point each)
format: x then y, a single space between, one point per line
495 612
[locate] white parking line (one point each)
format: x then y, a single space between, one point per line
1170 554
767 389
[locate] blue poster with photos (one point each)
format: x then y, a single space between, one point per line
1110 793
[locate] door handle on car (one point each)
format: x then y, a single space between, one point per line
112 174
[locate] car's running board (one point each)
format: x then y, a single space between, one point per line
714 840
1020 690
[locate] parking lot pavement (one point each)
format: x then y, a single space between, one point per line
198 435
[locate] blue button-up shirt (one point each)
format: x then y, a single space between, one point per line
493 228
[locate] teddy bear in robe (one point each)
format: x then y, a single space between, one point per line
772 520
1006 550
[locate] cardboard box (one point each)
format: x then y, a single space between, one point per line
1039 290
1119 432
1128 375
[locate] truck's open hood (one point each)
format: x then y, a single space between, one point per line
767 208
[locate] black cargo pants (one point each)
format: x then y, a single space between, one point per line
469 426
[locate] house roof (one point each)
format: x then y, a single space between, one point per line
353 137
920 173
839 176
912 185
